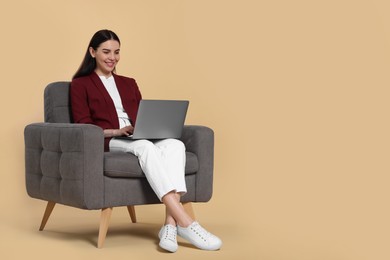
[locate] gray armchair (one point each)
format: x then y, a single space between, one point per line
66 163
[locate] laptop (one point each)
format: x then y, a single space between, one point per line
159 119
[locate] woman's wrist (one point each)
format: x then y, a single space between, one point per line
111 132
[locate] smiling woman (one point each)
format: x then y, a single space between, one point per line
100 97
106 56
101 56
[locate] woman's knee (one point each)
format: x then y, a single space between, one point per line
142 146
181 145
177 144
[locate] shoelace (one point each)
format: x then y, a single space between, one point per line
170 233
201 232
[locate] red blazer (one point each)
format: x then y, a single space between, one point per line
91 103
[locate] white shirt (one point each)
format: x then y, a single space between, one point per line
109 84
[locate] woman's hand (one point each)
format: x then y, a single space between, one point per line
127 130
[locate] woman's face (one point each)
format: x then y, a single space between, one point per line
106 56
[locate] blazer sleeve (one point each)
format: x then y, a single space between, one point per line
79 104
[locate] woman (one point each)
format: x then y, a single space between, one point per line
100 97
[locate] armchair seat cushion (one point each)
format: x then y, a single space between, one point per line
126 165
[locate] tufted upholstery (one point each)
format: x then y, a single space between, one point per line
66 162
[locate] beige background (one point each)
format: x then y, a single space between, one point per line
296 91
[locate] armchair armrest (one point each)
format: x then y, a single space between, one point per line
64 163
200 141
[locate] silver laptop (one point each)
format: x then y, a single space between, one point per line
159 119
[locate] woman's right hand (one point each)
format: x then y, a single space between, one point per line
127 130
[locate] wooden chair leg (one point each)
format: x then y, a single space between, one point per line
188 208
104 222
133 217
46 215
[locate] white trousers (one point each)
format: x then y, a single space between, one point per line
163 162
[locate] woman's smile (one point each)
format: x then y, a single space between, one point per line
107 57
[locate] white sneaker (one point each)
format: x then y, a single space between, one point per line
199 237
167 237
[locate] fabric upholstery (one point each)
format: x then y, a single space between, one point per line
57 103
66 163
200 141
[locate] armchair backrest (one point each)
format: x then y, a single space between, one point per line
57 103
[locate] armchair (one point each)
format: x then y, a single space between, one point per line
65 163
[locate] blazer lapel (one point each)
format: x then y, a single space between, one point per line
107 98
121 88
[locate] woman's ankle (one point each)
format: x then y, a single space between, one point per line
173 223
169 220
185 224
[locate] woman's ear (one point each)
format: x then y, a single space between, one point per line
92 52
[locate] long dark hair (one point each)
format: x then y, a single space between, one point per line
88 64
